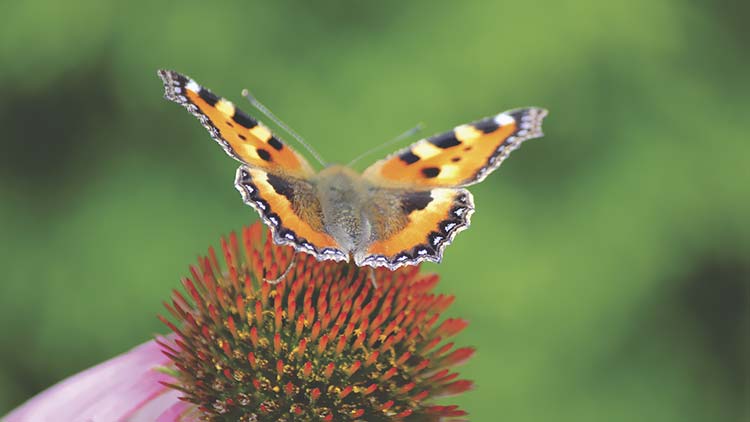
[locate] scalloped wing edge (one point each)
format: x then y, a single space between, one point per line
173 87
280 234
529 127
449 228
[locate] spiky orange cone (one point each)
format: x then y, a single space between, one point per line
323 345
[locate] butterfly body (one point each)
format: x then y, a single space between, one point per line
402 210
343 196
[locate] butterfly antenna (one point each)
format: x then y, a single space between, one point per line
409 133
266 112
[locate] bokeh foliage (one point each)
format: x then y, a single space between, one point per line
606 272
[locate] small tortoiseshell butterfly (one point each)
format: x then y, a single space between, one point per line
402 210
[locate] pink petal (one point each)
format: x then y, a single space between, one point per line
124 388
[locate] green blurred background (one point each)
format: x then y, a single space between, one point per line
606 272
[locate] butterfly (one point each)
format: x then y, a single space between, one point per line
402 210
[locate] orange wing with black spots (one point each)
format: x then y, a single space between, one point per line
291 209
461 157
415 227
241 136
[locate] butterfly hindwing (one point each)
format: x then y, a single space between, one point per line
410 226
462 156
291 208
241 136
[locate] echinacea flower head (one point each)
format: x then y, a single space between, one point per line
325 344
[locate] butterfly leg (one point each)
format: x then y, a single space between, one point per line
281 278
372 278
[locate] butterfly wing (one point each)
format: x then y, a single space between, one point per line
464 156
419 204
291 209
274 179
411 226
242 137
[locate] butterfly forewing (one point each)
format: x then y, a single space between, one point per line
462 156
241 136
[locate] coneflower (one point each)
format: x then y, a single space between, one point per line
325 344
